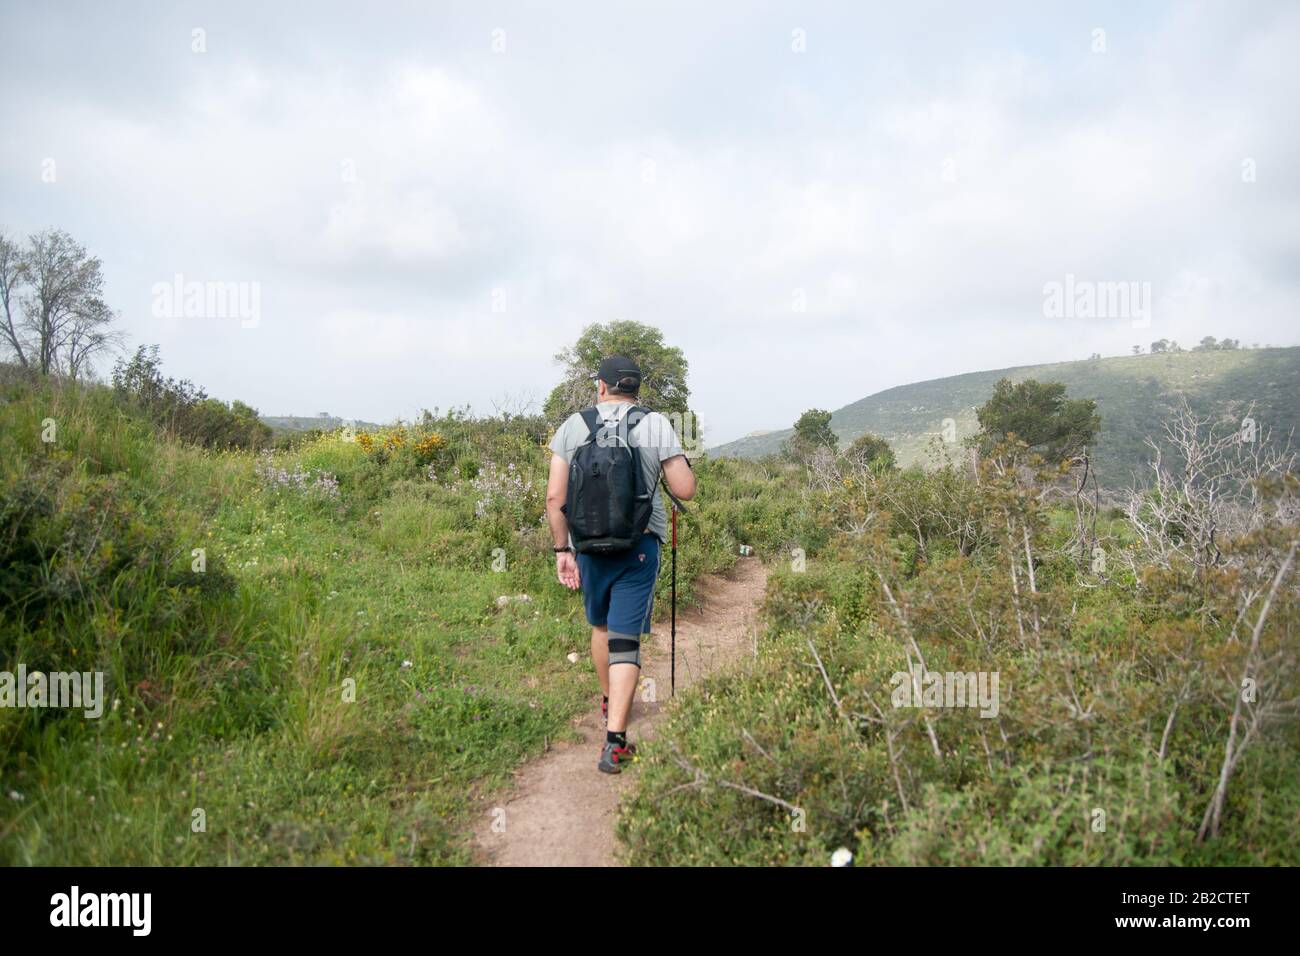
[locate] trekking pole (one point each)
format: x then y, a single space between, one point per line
673 667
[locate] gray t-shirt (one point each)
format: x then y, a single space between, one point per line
652 436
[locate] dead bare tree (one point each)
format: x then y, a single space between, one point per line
916 667
12 273
1205 489
55 317
1085 509
1219 508
1261 669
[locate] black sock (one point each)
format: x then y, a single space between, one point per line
616 737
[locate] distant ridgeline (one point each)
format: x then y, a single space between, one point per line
1134 395
305 423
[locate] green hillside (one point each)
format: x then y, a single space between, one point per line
1133 395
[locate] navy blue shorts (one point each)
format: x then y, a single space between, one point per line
618 592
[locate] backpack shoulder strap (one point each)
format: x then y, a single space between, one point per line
591 418
640 411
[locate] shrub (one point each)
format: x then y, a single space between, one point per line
1115 694
184 410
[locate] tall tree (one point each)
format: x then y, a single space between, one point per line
1039 414
812 431
663 368
55 318
11 279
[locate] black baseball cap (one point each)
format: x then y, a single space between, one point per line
620 373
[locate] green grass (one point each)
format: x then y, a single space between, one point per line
245 717
262 739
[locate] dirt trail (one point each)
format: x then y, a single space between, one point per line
561 810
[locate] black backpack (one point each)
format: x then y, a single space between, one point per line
608 505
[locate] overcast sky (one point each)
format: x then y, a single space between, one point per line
814 201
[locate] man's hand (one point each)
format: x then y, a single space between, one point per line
566 569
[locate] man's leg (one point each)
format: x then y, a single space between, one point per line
600 656
622 681
631 601
631 594
596 581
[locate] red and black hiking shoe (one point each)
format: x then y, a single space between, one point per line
613 757
604 709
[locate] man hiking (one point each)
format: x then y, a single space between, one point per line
608 522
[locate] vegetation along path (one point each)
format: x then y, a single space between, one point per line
561 811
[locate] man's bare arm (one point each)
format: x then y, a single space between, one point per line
679 477
557 489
